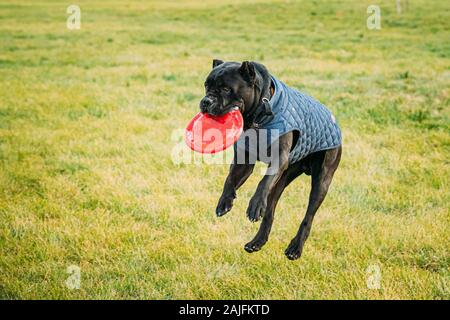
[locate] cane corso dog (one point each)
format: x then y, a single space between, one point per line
307 137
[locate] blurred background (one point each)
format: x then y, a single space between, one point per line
92 204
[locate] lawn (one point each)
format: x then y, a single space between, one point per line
90 119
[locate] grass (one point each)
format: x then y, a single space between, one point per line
87 122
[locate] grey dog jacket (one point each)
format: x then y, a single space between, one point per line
293 110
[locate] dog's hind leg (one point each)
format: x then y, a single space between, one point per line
264 230
322 171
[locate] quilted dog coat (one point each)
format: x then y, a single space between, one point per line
293 110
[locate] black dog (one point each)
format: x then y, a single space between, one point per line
250 87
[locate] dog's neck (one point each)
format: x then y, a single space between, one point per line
263 90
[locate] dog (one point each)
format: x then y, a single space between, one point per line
308 141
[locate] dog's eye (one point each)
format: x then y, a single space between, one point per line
226 89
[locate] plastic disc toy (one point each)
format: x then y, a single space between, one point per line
210 134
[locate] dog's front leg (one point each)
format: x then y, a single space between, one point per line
238 174
277 166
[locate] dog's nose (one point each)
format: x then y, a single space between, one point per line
205 103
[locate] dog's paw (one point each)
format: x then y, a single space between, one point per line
256 209
254 245
225 205
293 251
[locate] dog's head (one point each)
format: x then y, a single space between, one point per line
229 85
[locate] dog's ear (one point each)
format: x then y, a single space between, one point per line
217 62
247 71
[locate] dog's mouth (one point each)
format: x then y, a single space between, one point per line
232 106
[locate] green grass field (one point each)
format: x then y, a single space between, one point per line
87 122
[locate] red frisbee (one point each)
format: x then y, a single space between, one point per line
210 134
